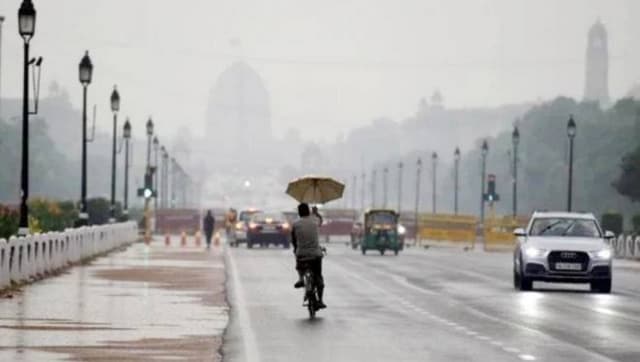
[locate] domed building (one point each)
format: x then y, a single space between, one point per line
238 115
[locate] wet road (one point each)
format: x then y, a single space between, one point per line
425 305
139 304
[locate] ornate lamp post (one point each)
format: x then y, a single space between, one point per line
515 138
571 133
27 28
115 108
85 70
126 134
163 181
456 180
485 152
434 162
156 145
149 127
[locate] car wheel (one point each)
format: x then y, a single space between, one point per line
364 251
525 284
381 251
249 245
395 252
601 286
286 245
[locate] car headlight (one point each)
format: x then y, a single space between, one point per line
532 252
401 230
604 254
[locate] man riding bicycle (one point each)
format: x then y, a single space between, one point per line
304 238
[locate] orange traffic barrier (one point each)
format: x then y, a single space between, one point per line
167 239
198 238
183 239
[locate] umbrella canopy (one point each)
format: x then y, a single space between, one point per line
315 189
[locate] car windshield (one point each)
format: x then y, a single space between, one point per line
565 227
246 215
262 217
384 218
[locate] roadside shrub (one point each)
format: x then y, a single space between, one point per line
52 215
635 221
613 221
9 220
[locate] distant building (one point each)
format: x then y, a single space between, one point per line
596 86
239 114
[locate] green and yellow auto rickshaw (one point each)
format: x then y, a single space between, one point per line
381 232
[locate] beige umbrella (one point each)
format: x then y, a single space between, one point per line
315 189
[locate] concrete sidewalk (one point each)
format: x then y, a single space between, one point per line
139 304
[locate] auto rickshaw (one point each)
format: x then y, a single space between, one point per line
381 232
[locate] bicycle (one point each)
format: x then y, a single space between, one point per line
310 286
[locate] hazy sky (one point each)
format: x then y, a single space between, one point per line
329 65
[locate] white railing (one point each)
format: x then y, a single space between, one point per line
36 255
626 246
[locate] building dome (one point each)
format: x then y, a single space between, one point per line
239 116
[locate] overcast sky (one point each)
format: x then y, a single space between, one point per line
329 65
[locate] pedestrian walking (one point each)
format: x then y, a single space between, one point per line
209 224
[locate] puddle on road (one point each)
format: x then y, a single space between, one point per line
138 304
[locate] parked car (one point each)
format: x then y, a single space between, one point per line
563 247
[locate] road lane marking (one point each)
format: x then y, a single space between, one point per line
527 357
248 336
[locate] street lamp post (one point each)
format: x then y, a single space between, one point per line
434 159
373 189
363 200
115 108
163 176
149 127
27 27
571 133
354 193
156 145
126 133
456 180
85 74
417 209
385 173
174 170
485 151
515 137
400 167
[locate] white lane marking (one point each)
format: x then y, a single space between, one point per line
527 357
248 336
511 350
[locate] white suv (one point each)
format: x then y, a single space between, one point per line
563 247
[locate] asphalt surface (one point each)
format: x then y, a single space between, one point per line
424 305
140 304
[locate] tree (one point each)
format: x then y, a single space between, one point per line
628 184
